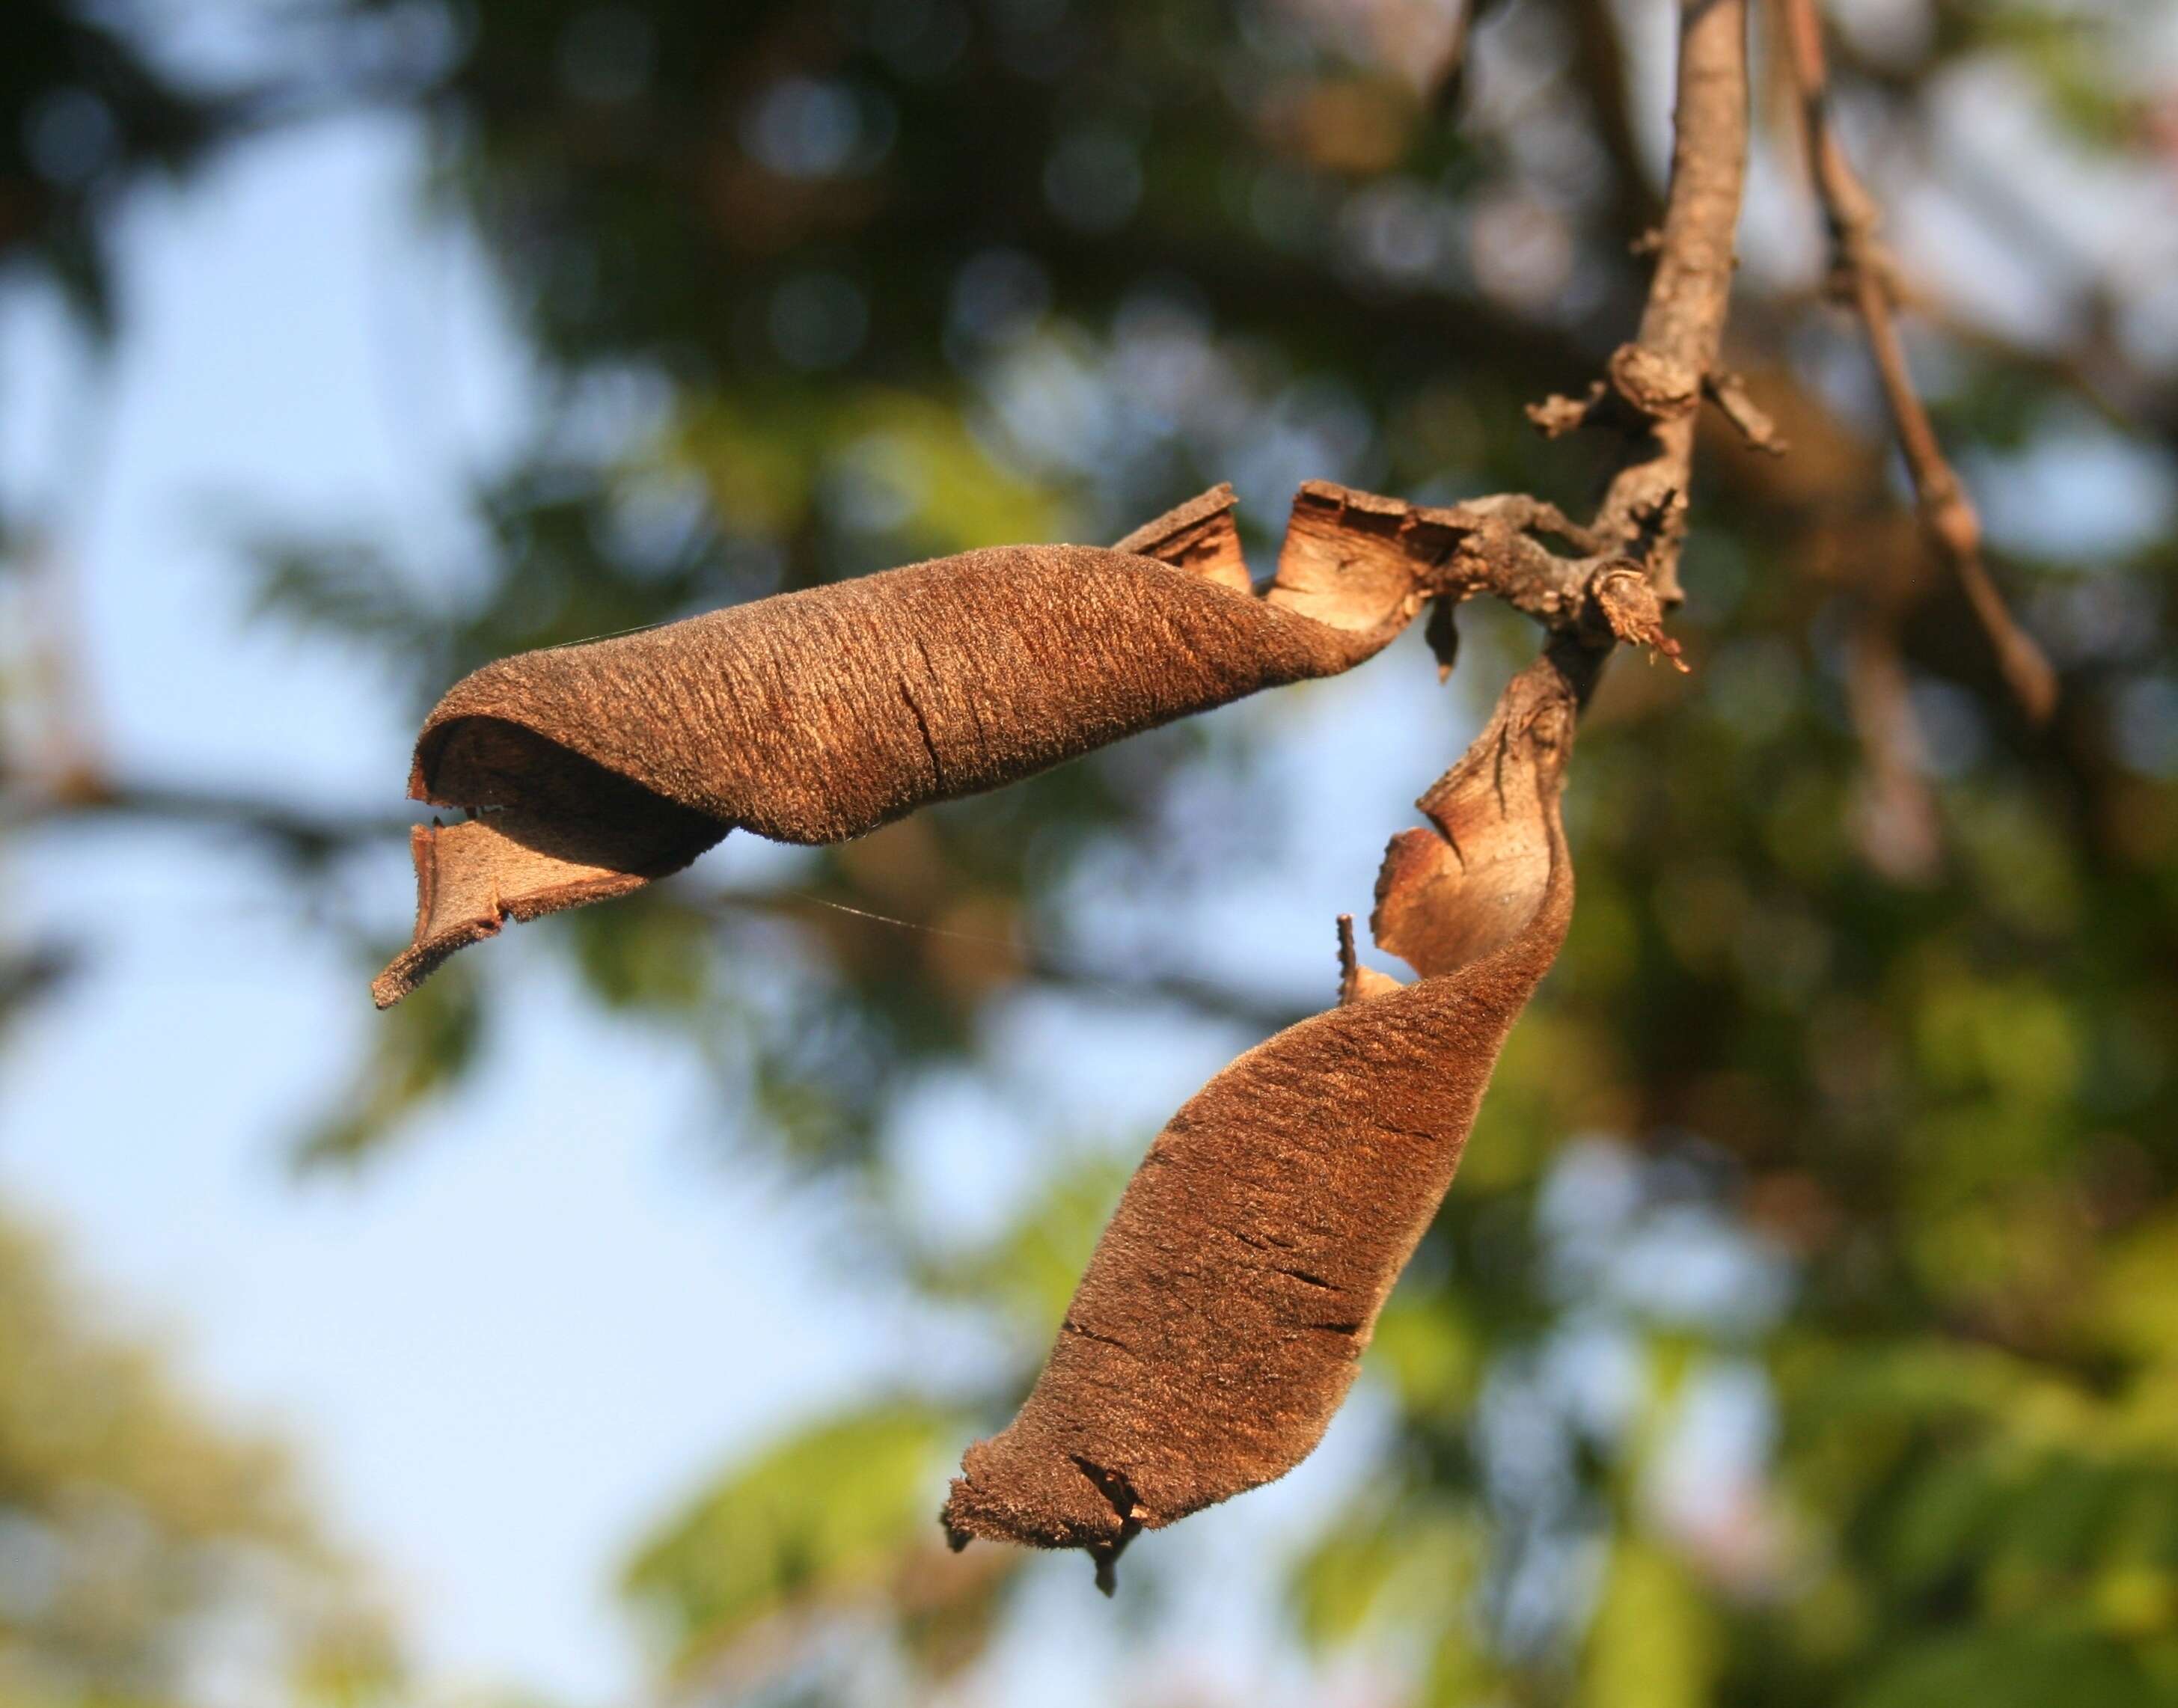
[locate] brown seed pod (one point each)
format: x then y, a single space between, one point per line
812 717
1223 1317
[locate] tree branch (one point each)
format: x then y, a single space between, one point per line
298 831
1896 822
1495 545
1864 272
1655 384
1626 570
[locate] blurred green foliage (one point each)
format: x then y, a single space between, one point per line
1877 1162
834 1518
134 1530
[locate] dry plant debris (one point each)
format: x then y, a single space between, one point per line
1222 1318
812 717
1220 1322
816 716
1223 1315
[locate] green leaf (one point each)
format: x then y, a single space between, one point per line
1655 1641
1390 1564
1429 1350
2010 1668
818 1517
1029 1273
2136 1305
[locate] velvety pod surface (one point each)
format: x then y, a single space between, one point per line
1223 1317
814 716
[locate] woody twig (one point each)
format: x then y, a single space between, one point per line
1864 272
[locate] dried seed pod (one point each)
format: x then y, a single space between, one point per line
1224 1315
812 717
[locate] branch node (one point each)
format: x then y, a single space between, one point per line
1654 383
1621 593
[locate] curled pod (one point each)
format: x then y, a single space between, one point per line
812 717
1223 1317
